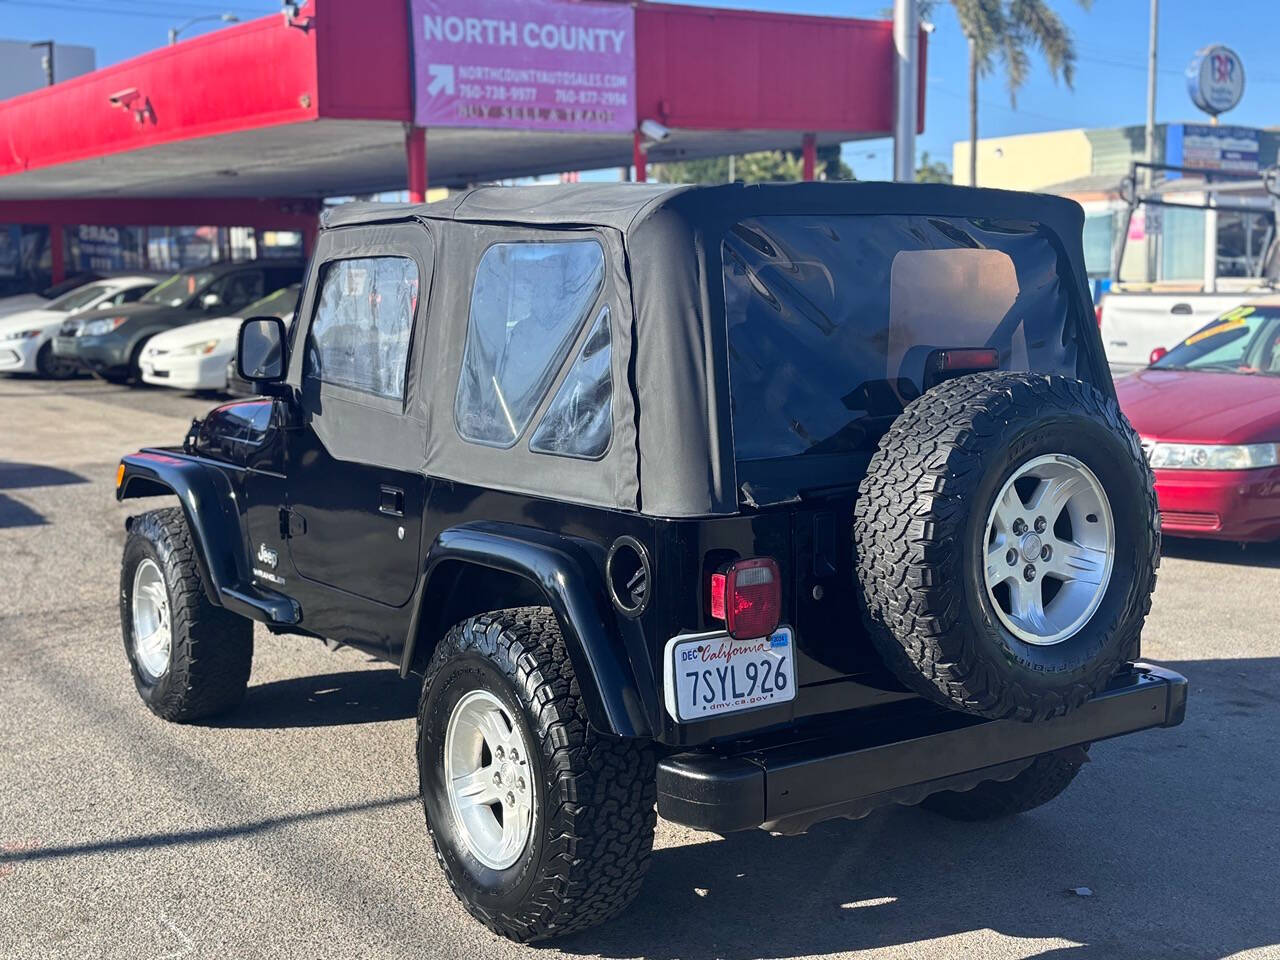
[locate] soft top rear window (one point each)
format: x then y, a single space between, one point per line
831 319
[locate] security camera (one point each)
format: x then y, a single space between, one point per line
654 130
123 98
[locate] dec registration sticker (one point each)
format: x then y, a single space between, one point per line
711 674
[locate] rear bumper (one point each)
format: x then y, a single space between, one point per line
789 787
1220 504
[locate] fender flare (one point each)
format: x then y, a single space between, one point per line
607 652
208 505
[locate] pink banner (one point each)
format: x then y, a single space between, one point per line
524 64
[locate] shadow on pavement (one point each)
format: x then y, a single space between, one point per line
356 696
1175 832
15 514
1218 551
18 476
152 841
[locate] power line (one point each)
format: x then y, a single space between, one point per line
1168 71
996 105
111 11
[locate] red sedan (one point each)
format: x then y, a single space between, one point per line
1208 412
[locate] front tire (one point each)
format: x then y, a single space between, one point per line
189 658
556 839
1048 775
52 367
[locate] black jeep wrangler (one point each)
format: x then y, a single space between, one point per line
765 505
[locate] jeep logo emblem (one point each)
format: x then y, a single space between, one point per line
267 556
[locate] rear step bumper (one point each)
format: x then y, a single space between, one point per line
789 787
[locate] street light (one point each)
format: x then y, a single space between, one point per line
224 17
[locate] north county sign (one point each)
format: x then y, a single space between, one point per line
1215 79
524 64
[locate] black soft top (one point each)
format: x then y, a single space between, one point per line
673 452
625 206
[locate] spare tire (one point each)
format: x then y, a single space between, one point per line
1006 540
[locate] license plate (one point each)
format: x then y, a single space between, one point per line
711 674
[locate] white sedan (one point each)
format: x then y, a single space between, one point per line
195 356
26 336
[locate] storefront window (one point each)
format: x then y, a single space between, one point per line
25 261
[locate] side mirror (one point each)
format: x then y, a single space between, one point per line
210 300
260 351
1156 354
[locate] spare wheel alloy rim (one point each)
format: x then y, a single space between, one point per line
1050 549
489 779
152 629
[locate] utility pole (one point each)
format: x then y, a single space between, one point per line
47 60
906 49
1148 180
1151 86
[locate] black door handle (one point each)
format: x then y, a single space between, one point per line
391 501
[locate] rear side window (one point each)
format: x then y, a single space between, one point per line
831 320
360 335
579 422
528 304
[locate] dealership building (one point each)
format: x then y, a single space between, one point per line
228 145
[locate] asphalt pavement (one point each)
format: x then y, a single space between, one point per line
291 828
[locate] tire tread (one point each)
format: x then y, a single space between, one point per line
601 791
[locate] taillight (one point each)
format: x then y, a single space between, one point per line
747 596
1097 312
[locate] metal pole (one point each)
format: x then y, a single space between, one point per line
415 147
973 112
810 154
1152 32
906 48
639 160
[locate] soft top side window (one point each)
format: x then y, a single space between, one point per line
363 322
528 304
579 421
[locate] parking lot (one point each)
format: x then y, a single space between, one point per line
291 828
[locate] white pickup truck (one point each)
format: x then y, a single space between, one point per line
1240 255
1134 322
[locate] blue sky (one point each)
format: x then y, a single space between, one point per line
1110 87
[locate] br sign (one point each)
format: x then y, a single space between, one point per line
1215 79
524 64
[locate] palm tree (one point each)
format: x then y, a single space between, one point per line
1008 31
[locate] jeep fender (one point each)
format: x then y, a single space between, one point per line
607 651
209 507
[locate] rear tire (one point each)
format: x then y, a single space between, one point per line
586 815
201 668
1048 775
